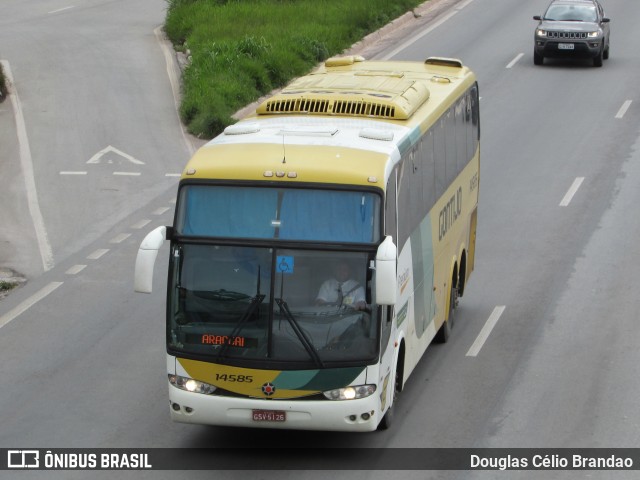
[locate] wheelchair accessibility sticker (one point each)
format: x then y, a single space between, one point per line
284 264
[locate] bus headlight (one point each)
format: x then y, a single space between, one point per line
191 385
350 393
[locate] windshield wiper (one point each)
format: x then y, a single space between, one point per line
221 295
306 343
255 302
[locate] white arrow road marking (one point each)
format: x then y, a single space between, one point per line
104 151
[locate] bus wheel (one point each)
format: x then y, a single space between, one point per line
442 336
387 420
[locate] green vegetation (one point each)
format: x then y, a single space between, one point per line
3 85
243 49
5 286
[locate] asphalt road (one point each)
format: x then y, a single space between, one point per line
557 255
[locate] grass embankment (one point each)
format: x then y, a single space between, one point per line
243 49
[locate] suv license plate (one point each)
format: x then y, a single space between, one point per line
269 416
565 46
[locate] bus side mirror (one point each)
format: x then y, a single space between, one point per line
386 266
146 259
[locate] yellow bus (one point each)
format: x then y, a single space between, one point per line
320 245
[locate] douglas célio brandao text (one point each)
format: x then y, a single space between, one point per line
550 462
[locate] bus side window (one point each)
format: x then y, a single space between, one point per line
450 148
390 227
472 109
416 204
440 158
428 172
462 155
406 215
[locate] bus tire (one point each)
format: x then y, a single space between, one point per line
387 420
442 336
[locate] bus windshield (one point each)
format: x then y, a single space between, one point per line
278 213
260 304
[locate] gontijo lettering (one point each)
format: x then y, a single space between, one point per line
450 213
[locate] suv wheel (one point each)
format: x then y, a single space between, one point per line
538 59
597 61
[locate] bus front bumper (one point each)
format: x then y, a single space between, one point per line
359 415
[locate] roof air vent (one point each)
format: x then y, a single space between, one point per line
444 62
242 129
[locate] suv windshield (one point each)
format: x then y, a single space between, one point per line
572 13
247 304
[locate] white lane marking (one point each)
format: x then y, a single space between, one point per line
120 238
46 253
486 330
141 223
623 109
61 9
572 191
28 303
97 254
172 174
73 173
161 210
515 60
427 30
75 269
129 174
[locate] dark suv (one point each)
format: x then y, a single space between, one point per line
572 28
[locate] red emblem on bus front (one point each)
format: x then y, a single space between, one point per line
268 389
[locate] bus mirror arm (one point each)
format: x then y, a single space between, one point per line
146 259
386 267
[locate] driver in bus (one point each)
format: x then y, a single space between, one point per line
341 289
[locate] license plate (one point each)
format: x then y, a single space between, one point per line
565 46
269 416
